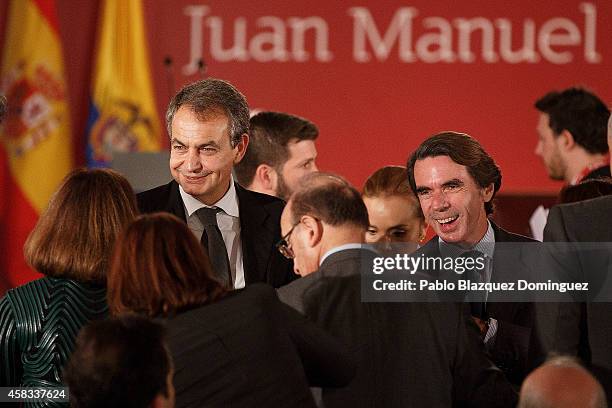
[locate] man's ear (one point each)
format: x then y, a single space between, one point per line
565 140
314 230
487 192
266 178
240 148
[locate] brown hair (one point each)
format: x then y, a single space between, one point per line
118 362
580 112
74 236
160 268
463 150
331 199
391 181
270 133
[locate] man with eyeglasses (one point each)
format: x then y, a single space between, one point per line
407 354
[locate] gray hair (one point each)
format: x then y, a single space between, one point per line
208 98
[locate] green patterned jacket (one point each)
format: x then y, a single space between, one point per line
39 322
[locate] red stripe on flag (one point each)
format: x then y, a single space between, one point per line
16 221
48 10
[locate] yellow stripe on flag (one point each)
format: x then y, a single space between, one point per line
36 132
122 88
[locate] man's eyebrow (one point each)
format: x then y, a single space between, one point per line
176 141
308 160
209 144
453 182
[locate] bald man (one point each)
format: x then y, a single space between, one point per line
561 382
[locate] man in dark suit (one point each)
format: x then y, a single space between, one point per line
455 181
408 354
208 124
582 329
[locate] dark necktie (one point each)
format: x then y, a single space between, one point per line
477 298
212 241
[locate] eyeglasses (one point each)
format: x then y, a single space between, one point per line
283 245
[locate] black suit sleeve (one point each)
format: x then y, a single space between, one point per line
477 382
558 324
510 348
326 362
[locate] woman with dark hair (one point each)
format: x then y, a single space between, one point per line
71 245
230 348
393 209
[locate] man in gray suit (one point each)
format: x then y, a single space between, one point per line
582 329
407 354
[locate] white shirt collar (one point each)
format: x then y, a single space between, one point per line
486 245
228 203
341 248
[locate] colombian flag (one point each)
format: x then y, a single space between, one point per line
122 114
35 140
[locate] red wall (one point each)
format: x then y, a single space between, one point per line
375 113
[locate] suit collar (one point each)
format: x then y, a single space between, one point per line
254 217
338 249
432 246
175 202
250 208
360 252
486 245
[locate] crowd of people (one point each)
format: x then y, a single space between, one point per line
240 282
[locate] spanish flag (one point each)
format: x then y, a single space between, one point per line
35 139
122 114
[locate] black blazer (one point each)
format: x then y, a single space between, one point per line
408 354
510 351
250 350
581 329
259 230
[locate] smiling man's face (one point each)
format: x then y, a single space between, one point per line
201 155
452 202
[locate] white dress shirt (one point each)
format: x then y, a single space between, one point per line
228 220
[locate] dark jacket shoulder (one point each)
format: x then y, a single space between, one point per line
166 198
248 197
501 235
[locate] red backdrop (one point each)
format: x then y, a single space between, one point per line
374 112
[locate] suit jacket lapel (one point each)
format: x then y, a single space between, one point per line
508 262
175 201
256 237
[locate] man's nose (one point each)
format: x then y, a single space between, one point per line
439 201
538 149
314 167
193 161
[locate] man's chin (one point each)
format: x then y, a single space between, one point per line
194 189
450 237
